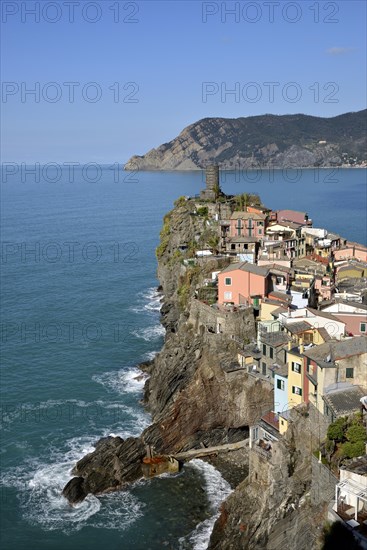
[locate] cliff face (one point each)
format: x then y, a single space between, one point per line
272 508
194 401
262 141
191 397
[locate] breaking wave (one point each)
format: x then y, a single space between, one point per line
217 490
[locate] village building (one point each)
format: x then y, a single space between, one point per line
350 504
351 251
248 224
354 315
334 366
316 319
242 284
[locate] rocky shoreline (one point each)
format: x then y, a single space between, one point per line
196 401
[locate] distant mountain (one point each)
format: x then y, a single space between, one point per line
265 141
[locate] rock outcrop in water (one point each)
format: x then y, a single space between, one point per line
262 141
114 463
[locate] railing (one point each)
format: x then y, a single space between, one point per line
263 452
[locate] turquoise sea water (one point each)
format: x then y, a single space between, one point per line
79 311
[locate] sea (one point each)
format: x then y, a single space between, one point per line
80 311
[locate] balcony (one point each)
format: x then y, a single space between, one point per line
263 448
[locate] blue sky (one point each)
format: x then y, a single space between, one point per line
173 63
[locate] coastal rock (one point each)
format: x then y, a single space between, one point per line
114 463
74 490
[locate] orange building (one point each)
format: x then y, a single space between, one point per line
242 284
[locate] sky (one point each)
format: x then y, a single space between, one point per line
111 79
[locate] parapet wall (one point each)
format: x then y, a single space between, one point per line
238 325
323 483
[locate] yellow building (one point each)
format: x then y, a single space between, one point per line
295 375
283 422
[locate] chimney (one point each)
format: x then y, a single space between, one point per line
289 345
301 346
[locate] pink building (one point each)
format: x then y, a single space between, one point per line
248 224
352 250
242 283
354 315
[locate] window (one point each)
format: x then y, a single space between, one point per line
296 367
245 246
349 373
363 327
233 247
296 390
228 281
228 295
260 231
264 349
308 365
280 384
271 351
263 368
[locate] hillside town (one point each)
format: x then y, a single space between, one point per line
307 288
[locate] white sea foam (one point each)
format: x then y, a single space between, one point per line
148 301
150 355
217 490
130 380
40 485
150 333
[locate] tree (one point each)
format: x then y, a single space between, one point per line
336 429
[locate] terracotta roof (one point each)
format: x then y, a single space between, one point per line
272 419
280 296
292 215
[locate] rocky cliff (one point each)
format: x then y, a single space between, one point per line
193 400
197 398
262 141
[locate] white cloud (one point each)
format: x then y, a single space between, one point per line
338 51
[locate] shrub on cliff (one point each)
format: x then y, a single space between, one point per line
180 201
346 438
164 237
202 211
336 429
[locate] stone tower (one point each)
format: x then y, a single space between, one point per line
212 182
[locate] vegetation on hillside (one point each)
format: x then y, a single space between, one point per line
346 438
